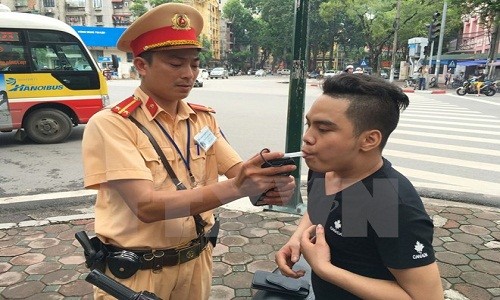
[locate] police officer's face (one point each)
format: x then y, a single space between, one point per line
329 140
171 74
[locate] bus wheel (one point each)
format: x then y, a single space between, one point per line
48 126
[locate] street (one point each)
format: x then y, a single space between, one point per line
446 144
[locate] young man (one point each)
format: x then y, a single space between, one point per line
155 229
366 233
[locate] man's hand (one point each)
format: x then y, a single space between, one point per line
314 247
287 256
253 180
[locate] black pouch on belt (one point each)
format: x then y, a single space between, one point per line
214 232
123 264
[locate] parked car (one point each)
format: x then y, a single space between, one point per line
330 73
313 74
219 73
283 72
261 73
384 75
199 80
204 74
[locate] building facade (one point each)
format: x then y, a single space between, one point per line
101 22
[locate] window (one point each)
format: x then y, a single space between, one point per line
98 19
49 3
130 56
97 3
13 53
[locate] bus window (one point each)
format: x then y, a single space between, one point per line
12 53
49 81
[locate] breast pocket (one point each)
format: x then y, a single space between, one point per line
155 165
201 164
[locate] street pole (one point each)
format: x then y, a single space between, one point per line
429 66
395 42
493 46
296 96
440 44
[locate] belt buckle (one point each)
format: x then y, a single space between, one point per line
155 256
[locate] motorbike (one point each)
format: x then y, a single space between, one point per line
411 82
457 82
488 88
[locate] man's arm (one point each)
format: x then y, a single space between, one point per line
151 205
413 283
289 254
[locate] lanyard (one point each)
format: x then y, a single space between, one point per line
186 159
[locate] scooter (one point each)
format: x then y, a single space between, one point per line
488 88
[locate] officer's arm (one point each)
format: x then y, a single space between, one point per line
152 205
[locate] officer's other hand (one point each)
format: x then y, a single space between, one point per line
253 180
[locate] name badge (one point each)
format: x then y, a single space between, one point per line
205 138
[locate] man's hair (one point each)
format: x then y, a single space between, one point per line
148 56
373 102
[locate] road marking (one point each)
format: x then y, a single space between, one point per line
446 147
484 118
447 136
427 121
492 102
48 196
462 130
465 184
443 160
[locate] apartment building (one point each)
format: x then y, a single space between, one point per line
101 22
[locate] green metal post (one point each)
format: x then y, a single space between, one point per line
296 97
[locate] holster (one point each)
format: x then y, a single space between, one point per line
214 232
98 260
123 264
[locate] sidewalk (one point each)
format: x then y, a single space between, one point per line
42 260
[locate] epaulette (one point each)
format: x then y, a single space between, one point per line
127 106
201 107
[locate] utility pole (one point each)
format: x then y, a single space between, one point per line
395 42
440 44
493 46
296 96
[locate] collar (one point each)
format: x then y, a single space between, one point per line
152 109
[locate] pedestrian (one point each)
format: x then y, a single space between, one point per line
366 233
156 223
421 78
358 71
349 69
447 78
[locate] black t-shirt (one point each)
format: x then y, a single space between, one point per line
376 223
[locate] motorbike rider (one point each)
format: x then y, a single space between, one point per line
479 82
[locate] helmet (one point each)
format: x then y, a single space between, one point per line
349 67
359 69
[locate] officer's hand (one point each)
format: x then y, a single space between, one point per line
252 180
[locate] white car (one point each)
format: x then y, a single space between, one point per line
199 80
219 73
283 72
329 73
260 73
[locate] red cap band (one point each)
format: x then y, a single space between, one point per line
164 37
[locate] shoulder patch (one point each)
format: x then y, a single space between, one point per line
127 106
201 107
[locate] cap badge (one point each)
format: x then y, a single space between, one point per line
181 22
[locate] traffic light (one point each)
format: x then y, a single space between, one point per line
434 27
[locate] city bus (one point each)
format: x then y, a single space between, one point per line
49 81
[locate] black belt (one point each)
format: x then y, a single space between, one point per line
156 259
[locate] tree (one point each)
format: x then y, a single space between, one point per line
489 15
138 8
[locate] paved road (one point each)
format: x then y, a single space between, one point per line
447 145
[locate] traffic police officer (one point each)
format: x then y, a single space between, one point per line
153 224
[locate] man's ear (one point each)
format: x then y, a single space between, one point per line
140 65
370 140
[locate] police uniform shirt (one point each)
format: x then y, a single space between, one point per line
370 254
114 148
